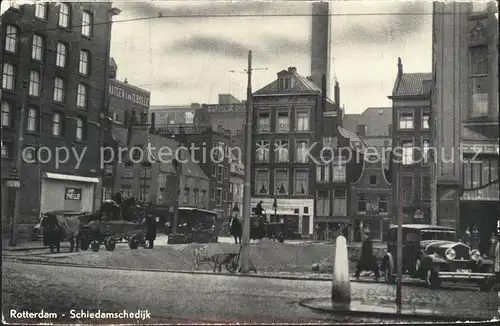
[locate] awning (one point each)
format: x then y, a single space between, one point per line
68 177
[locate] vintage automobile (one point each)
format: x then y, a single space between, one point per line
433 254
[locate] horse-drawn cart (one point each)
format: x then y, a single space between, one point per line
108 232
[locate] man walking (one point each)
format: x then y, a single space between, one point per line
235 228
367 261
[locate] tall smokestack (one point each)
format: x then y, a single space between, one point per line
337 94
320 43
152 127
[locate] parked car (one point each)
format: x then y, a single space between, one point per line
36 232
433 254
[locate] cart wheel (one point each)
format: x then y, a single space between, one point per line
110 244
133 242
95 246
84 244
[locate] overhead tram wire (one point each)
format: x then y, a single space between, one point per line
161 16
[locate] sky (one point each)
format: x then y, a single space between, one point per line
187 60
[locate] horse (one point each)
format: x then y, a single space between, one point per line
57 228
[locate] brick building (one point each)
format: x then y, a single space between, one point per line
372 191
211 154
62 51
411 136
465 115
290 116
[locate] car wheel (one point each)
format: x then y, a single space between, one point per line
432 280
133 242
388 277
110 244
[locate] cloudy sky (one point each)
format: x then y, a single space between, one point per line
187 59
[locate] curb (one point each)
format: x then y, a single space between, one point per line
403 315
192 272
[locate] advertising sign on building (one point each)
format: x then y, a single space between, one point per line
73 194
129 93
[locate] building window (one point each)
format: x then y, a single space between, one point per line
283 122
8 76
203 200
62 50
322 173
330 142
281 182
407 158
322 203
87 24
218 197
407 189
57 124
362 203
63 15
285 83
339 172
7 149
11 35
83 64
108 170
479 60
426 187
185 198
426 116
41 10
81 101
32 124
479 96
339 202
194 201
302 120
126 191
301 180
29 155
37 48
59 89
405 120
263 122
262 182
373 180
383 204
34 86
361 130
6 115
425 151
220 173
214 170
262 151
226 173
281 151
80 128
213 195
301 151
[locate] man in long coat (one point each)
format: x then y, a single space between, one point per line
367 261
235 228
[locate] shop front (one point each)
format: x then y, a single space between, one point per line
378 226
67 192
296 214
327 228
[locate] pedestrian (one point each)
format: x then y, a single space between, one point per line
367 261
235 228
467 237
150 230
259 211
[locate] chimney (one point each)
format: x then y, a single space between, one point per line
400 68
292 69
125 81
337 94
320 43
152 128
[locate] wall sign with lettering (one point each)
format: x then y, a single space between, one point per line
73 194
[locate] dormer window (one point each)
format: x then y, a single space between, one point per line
285 83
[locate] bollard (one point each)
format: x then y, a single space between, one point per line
341 283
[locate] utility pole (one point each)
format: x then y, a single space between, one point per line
245 246
399 254
19 163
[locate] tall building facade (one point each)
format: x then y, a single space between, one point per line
54 61
465 115
411 136
288 120
372 192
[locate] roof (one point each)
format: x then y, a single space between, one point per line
424 227
300 85
471 135
410 84
189 167
356 141
375 119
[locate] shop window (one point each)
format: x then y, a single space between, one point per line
362 203
339 202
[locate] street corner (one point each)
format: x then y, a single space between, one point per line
389 309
